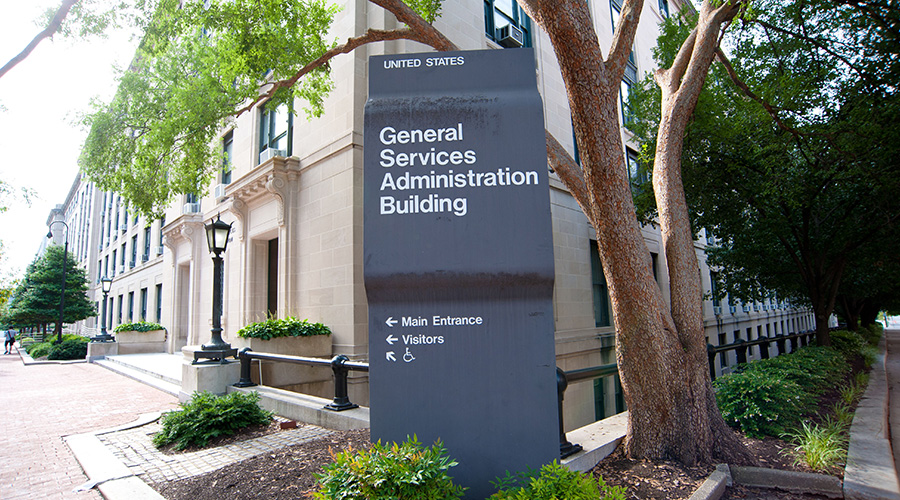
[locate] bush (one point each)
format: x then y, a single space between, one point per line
847 343
822 446
287 327
408 471
760 402
140 326
556 482
39 349
70 348
207 416
872 333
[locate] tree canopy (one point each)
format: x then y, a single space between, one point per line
35 300
791 160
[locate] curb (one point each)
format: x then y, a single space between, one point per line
870 471
29 361
104 470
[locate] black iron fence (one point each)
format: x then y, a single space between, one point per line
340 367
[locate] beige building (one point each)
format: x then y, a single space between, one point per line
293 190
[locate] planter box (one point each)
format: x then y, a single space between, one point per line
132 342
275 374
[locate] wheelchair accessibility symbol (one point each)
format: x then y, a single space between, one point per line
408 356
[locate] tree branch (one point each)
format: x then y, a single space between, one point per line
47 32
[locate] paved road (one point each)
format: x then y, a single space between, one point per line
39 404
892 369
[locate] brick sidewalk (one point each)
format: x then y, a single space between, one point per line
40 404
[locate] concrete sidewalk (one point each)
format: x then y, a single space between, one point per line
42 403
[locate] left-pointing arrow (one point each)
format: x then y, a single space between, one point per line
390 356
391 339
391 322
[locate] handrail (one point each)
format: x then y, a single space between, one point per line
340 367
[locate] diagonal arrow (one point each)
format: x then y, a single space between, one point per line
391 339
390 356
391 321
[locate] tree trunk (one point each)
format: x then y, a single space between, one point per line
661 353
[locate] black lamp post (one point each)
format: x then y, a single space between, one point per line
62 295
217 239
106 284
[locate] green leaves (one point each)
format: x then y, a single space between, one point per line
207 416
197 67
285 327
139 326
388 472
556 482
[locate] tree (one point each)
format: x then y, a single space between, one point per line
800 179
156 127
36 300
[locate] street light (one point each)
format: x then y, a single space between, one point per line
106 285
62 296
217 239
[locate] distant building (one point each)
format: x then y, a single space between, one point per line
293 189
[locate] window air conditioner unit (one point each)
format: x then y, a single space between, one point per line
732 309
717 310
219 191
746 309
159 249
191 208
510 37
270 153
132 264
121 268
756 307
145 257
123 227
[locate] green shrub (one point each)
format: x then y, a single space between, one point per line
822 446
207 416
405 471
140 326
286 327
556 482
872 333
760 402
70 348
39 349
847 343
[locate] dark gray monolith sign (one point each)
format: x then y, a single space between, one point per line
459 260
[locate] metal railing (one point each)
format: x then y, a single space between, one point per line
340 367
740 346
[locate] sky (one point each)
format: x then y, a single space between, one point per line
39 139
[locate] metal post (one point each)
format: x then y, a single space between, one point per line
793 344
216 349
711 354
341 400
741 350
764 348
245 380
566 448
779 341
103 337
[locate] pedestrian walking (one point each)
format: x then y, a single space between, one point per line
10 339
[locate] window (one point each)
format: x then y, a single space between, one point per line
664 8
601 293
275 127
133 250
654 264
114 263
130 306
630 76
143 304
119 308
122 263
146 255
159 302
162 222
499 14
228 151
